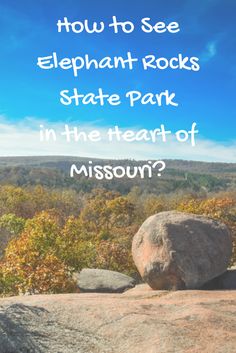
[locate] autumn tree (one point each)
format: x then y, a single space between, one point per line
31 263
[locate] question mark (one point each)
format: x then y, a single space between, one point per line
160 169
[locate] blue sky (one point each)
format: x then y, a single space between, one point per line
30 96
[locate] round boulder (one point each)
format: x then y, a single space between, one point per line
175 250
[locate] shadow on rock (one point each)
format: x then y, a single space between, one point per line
227 281
18 329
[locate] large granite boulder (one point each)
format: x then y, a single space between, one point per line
175 250
104 281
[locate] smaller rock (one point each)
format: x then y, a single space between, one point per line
104 281
144 291
139 289
224 282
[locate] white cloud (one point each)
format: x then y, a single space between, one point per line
210 52
23 140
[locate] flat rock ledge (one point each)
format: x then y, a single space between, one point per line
139 320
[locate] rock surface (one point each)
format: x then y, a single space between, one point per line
103 281
174 250
137 321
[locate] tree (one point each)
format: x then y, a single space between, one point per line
10 227
31 263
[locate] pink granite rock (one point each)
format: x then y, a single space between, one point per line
175 250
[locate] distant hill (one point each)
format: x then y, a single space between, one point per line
53 171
